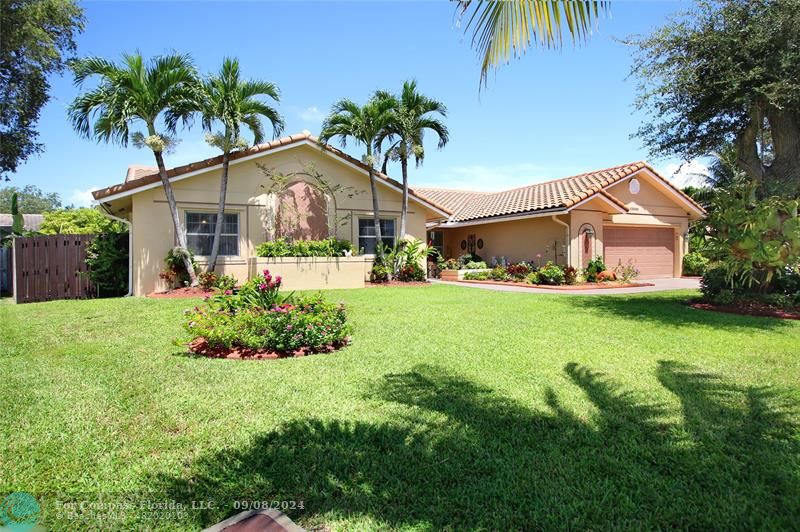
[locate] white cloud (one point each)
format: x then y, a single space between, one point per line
491 178
311 115
82 198
691 173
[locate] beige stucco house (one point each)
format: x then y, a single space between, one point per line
257 212
622 213
625 213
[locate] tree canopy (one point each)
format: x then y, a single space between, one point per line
36 39
31 199
84 221
726 72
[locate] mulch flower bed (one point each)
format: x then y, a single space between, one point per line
750 308
399 283
200 347
579 286
183 292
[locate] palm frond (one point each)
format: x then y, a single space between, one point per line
504 29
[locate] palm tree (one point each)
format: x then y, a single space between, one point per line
231 102
363 124
407 125
158 92
504 29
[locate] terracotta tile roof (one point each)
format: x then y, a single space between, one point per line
557 194
143 178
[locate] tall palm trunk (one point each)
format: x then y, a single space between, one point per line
176 219
375 209
404 211
223 191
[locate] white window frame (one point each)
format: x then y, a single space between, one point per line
186 232
374 237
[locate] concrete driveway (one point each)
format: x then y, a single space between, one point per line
659 285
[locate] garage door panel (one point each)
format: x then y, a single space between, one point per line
651 249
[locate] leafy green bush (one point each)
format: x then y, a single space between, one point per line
713 282
694 263
85 221
476 276
595 266
379 273
498 273
226 283
107 263
207 280
263 291
281 247
570 275
412 271
551 274
475 266
466 258
176 270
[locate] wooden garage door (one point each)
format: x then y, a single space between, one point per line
651 248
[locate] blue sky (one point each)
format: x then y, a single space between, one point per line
546 115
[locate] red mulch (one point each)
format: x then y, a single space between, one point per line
199 346
400 283
750 308
579 286
184 292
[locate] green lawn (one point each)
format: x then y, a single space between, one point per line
454 408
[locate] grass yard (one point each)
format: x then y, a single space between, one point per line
455 408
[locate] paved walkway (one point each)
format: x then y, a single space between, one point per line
659 286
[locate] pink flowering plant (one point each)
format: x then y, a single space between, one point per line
260 317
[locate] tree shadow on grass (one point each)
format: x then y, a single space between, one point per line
463 457
671 310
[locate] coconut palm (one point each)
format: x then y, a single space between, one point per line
156 94
406 130
362 124
228 101
504 29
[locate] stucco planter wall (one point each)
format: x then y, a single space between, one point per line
314 273
458 275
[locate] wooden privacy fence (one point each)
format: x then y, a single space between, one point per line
51 267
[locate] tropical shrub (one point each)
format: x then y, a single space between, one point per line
694 263
519 270
226 283
176 270
595 266
412 271
626 272
476 276
107 263
475 266
260 317
467 258
281 247
570 275
498 273
449 264
551 274
379 273
207 280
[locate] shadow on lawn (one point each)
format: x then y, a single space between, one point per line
671 310
464 457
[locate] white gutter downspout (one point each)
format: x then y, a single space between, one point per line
567 243
130 249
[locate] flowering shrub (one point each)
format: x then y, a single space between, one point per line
379 273
626 272
176 270
498 273
411 272
226 283
550 273
259 317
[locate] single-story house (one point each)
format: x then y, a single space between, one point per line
627 212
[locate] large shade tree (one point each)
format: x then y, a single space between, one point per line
414 115
362 124
231 103
503 29
36 39
156 94
727 72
